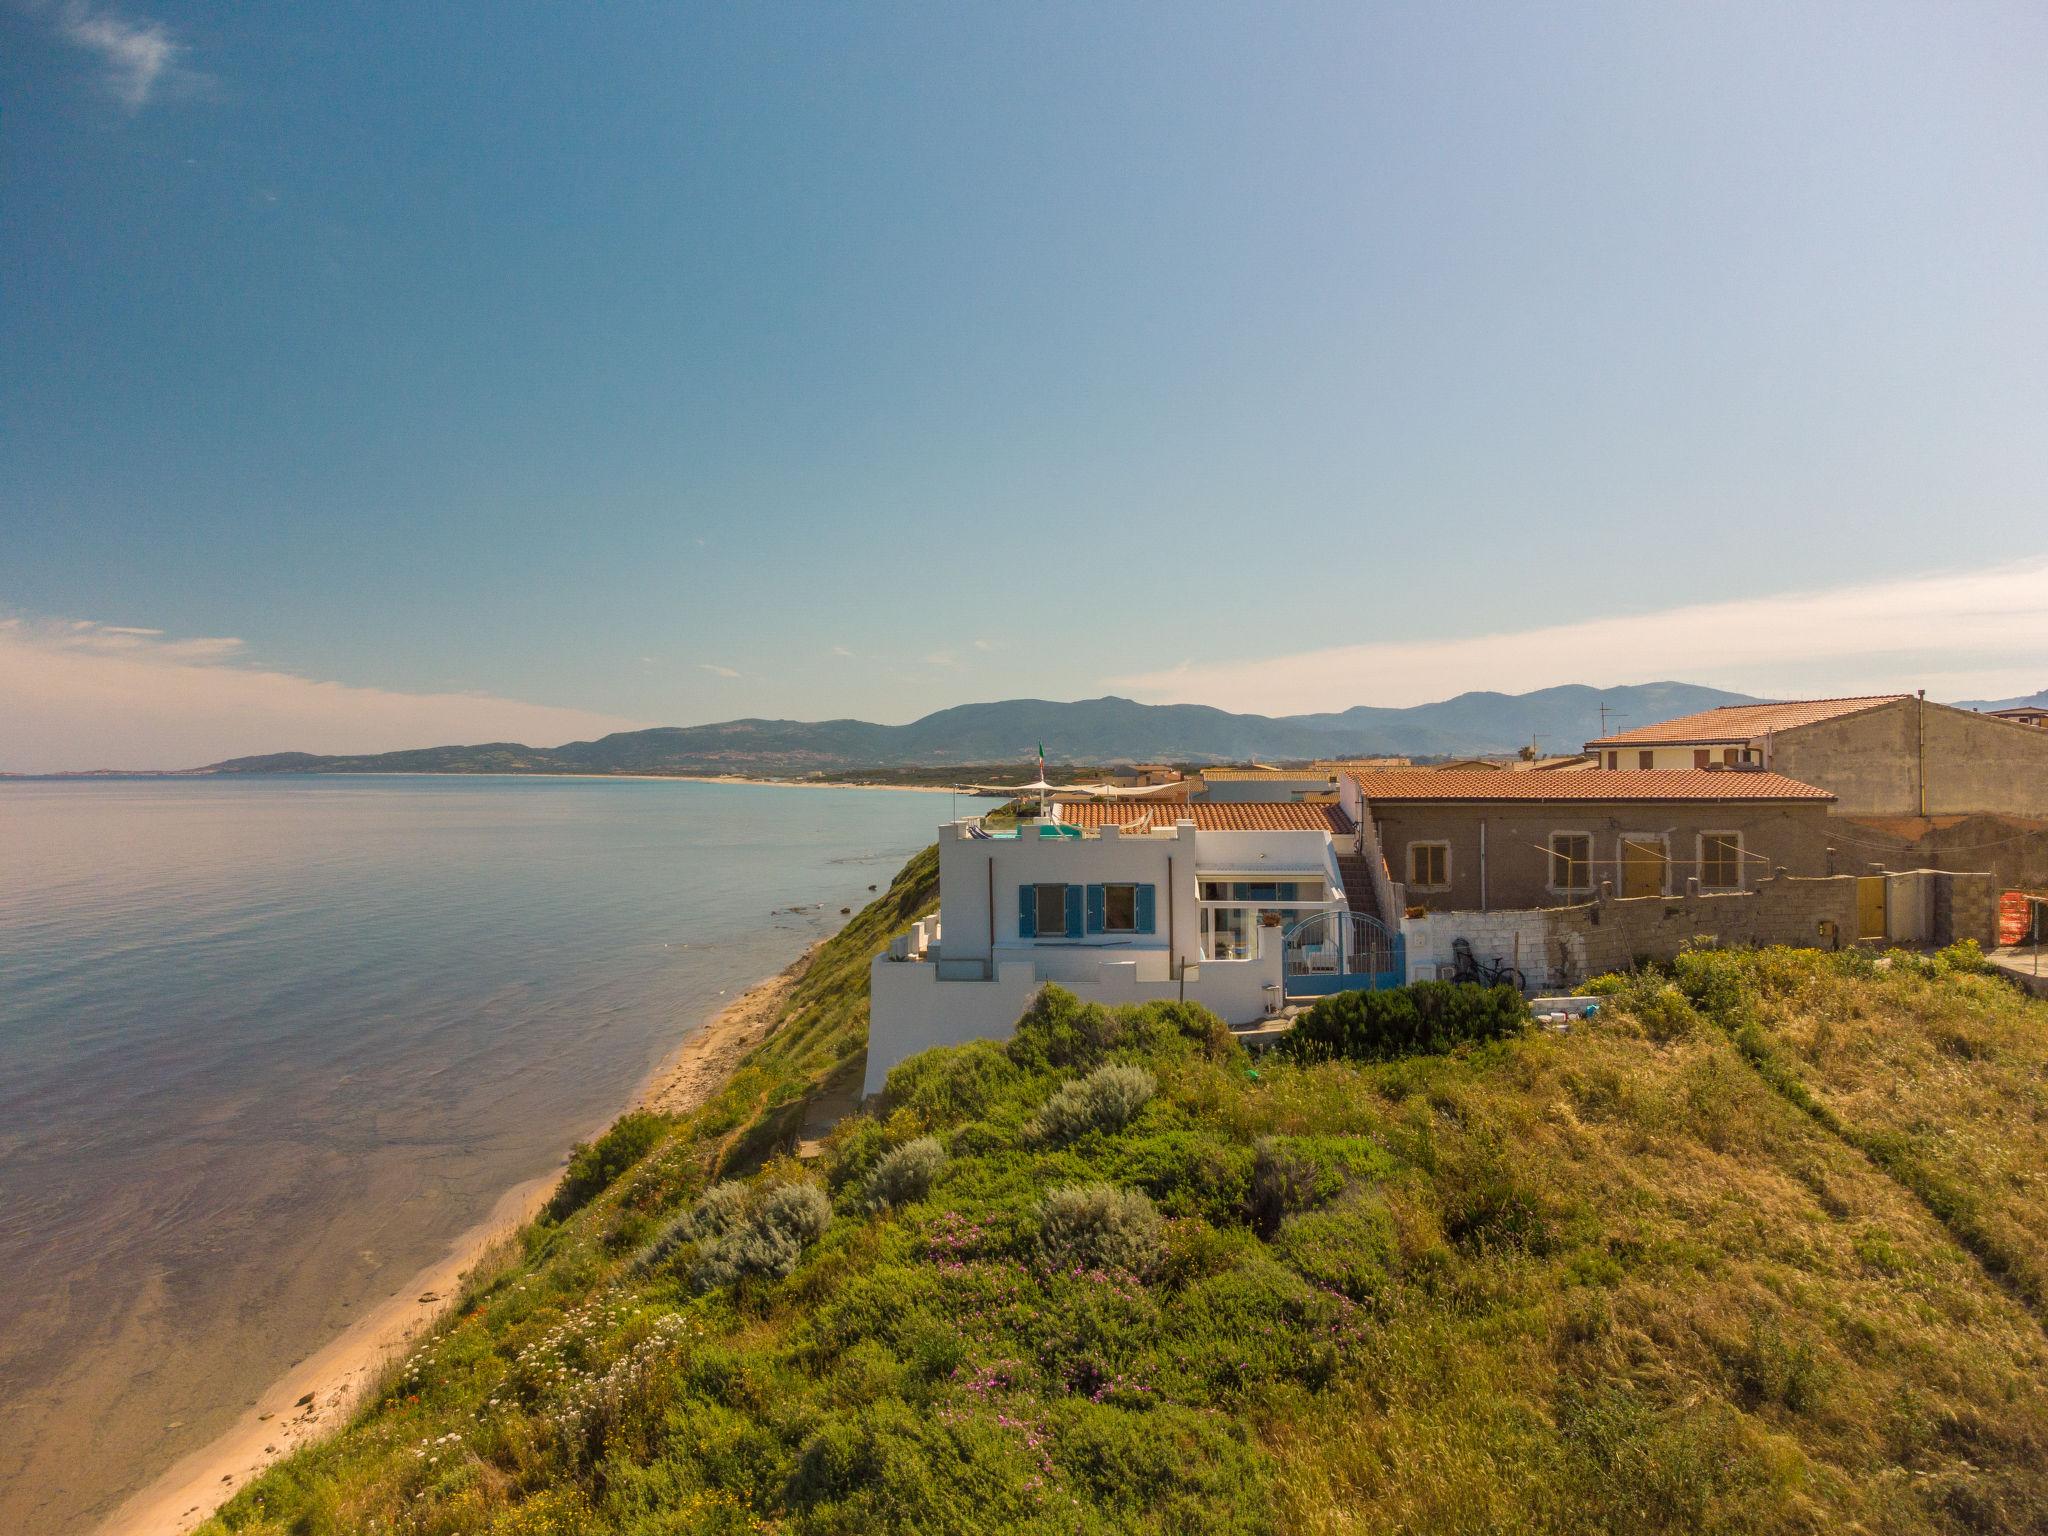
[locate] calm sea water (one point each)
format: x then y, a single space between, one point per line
267 1046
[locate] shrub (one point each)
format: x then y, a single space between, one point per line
1426 1018
1097 1226
1058 1030
743 1237
1106 1100
800 1212
1281 1184
594 1166
717 1211
904 1176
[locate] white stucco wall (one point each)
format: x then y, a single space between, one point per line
911 1010
1519 937
990 970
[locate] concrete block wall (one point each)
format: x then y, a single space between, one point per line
1817 912
1965 907
1522 937
1562 946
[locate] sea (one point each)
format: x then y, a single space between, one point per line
269 1045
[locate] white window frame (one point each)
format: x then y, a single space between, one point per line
1700 858
1621 859
1550 863
1429 842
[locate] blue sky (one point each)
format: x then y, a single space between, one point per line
892 357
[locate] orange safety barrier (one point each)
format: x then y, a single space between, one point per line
2015 917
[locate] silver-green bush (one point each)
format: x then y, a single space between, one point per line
1106 1100
765 1237
1097 1226
904 1175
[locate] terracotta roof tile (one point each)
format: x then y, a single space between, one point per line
1303 775
1644 784
1213 816
1744 722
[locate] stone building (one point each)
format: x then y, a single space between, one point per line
1482 841
1889 755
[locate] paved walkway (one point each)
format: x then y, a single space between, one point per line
2028 965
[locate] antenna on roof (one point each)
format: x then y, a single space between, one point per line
1607 709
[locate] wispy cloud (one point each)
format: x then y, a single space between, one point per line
840 650
715 669
79 694
138 57
941 659
1963 634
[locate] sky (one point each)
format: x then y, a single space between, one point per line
375 376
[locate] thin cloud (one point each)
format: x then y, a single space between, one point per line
1964 634
137 57
941 659
78 694
715 669
840 650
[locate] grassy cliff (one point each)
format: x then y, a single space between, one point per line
1758 1249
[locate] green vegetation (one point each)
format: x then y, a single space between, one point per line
1424 1019
1755 1250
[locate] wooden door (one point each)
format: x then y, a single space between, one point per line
1870 911
1642 866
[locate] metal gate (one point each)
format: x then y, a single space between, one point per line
1329 952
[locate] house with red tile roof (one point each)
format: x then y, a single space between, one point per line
1484 841
1890 754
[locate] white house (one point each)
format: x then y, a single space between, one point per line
1119 903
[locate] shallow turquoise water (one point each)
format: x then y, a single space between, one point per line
268 1045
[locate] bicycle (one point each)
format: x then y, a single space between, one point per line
1467 967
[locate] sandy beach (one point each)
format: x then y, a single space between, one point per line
319 1394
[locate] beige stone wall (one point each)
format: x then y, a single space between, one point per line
1873 761
1560 947
1516 837
1612 934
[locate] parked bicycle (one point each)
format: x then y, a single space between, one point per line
1466 966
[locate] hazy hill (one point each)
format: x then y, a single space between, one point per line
1105 730
2030 701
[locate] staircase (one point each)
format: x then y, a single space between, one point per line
1356 872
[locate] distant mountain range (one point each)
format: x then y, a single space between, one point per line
1094 731
2031 701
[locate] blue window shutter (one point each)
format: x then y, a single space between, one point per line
1095 909
1073 910
1287 890
1147 907
1027 911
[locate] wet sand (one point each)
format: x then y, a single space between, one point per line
319 1394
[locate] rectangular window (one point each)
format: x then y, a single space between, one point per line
1571 861
1646 759
1701 757
1429 865
1721 860
1613 761
1052 911
1119 909
1729 756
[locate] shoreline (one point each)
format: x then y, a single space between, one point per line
320 1393
97 774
